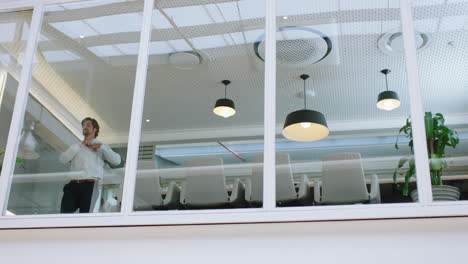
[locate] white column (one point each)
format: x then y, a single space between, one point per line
137 109
269 162
416 105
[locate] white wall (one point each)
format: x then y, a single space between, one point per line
381 241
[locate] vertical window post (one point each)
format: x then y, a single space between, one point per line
416 105
137 110
20 107
269 161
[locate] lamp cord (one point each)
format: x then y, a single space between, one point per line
386 82
305 105
225 91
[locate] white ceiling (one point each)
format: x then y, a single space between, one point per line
92 49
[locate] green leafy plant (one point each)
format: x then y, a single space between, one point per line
438 137
2 152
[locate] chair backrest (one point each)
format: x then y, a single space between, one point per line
205 183
284 178
146 165
147 186
343 179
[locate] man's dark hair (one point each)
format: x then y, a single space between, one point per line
93 122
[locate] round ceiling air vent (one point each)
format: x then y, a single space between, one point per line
391 43
184 60
296 46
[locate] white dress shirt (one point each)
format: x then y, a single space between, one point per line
90 162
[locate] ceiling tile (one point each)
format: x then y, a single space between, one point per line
179 45
427 2
79 5
116 23
8 32
74 29
254 35
160 47
128 48
238 38
209 42
229 11
105 51
158 20
214 11
300 7
250 9
362 4
198 16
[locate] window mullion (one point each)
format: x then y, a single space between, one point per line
20 107
137 109
416 104
269 184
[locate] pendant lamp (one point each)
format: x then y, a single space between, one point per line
28 144
387 100
305 124
225 107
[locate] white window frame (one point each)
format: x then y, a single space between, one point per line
269 212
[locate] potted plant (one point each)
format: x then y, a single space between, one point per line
2 152
438 137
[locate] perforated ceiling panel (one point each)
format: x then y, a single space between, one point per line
223 33
184 99
346 90
444 66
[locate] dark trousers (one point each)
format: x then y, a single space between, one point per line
77 195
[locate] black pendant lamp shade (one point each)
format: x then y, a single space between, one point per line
305 124
387 100
224 107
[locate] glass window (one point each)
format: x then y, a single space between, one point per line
441 33
15 31
202 133
341 100
77 117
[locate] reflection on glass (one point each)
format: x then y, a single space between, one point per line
14 28
84 67
337 44
200 175
441 32
203 108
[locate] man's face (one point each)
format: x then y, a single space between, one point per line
88 128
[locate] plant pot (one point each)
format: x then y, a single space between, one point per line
440 193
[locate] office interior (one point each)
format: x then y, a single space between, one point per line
196 153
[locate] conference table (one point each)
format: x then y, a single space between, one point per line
113 179
383 167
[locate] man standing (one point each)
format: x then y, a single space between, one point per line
88 157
